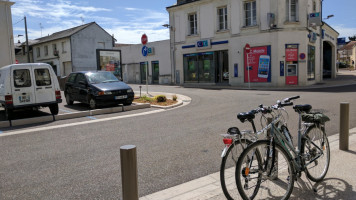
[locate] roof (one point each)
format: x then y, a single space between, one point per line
182 2
63 34
349 45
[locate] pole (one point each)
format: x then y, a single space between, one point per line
344 126
128 159
27 47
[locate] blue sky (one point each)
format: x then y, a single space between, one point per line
129 19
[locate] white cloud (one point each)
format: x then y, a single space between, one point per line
345 31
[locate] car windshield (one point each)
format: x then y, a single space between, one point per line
101 77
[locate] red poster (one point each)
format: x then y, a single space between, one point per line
291 55
259 62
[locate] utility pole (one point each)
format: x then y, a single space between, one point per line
27 47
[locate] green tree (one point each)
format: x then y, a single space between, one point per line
352 38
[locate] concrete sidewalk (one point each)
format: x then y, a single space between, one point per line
338 183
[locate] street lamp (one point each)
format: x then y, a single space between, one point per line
172 49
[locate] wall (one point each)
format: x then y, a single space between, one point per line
132 57
7 55
84 45
64 55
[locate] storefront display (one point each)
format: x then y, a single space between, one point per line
110 60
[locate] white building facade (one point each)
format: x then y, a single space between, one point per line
7 51
157 62
209 39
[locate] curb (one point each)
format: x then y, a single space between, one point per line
51 118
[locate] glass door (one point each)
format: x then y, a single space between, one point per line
155 72
143 71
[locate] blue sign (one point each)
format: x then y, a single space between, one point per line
144 51
341 41
281 70
314 15
203 43
236 73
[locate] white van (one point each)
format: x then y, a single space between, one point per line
30 85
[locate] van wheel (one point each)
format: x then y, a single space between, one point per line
54 109
69 100
8 114
92 103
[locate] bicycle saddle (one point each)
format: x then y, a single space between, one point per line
246 116
233 131
302 108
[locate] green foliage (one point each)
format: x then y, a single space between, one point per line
146 98
174 97
160 98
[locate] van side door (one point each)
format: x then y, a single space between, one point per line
22 86
44 84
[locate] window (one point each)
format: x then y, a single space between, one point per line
43 77
250 13
222 18
80 77
292 10
46 50
22 78
314 6
63 47
54 47
192 19
71 78
38 52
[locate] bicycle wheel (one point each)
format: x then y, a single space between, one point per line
256 176
316 153
227 169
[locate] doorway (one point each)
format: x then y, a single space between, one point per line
155 72
327 60
222 69
143 72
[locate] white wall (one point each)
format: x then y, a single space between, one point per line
7 51
132 57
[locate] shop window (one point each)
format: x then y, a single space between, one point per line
250 13
311 62
193 24
222 18
292 10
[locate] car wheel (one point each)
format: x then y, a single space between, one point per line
54 109
127 103
69 100
92 103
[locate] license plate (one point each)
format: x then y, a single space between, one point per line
24 99
121 97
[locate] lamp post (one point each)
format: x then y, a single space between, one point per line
27 47
172 49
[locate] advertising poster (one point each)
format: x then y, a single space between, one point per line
110 60
291 55
259 64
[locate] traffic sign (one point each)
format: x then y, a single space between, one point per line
144 39
144 51
247 48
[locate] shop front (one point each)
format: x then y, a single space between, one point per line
206 67
258 65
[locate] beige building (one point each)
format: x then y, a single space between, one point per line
7 51
287 39
348 54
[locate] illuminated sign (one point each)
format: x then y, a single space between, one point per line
203 44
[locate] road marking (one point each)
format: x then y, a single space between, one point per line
67 111
1 132
90 117
80 123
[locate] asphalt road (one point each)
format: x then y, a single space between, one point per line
80 158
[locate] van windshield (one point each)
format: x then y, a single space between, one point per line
22 78
101 77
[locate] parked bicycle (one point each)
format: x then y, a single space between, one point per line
236 141
268 168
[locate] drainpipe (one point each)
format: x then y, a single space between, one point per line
321 41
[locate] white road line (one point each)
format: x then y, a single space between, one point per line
79 123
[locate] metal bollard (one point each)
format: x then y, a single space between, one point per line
344 126
129 179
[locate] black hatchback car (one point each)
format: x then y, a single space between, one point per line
97 88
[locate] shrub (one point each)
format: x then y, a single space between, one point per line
146 98
160 98
174 97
